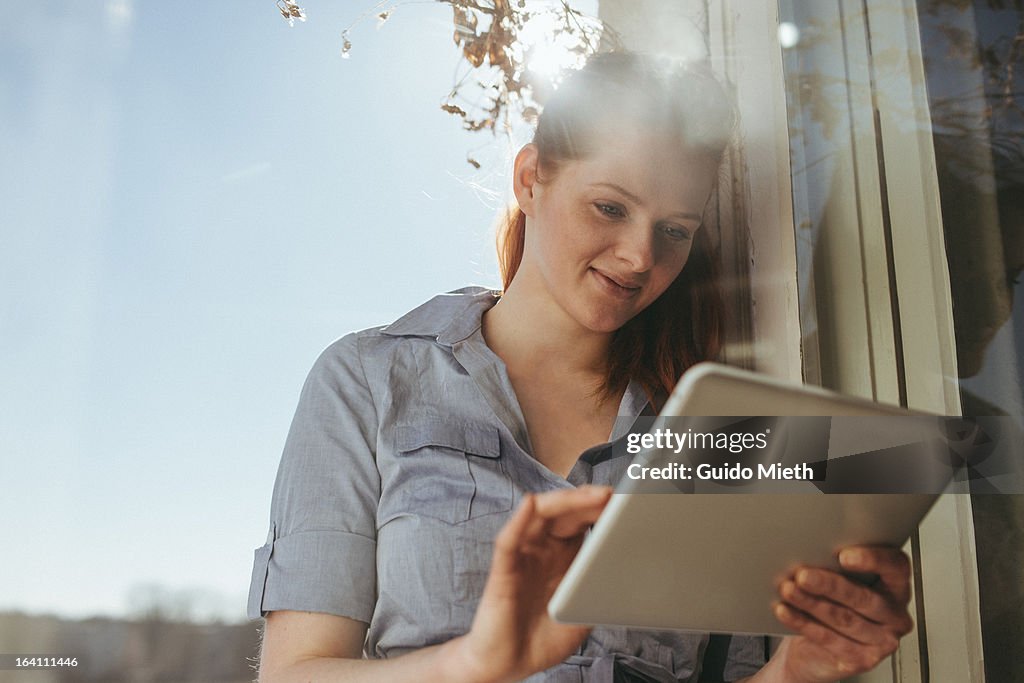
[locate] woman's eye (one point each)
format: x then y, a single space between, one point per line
677 233
610 210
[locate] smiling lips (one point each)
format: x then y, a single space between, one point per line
617 287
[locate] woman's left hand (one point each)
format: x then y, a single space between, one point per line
844 627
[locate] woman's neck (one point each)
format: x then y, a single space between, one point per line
531 333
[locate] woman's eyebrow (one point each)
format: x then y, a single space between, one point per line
686 215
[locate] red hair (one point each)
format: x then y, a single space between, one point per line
684 325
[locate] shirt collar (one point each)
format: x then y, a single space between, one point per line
449 317
454 317
634 403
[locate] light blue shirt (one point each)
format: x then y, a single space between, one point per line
406 455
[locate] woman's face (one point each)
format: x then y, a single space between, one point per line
607 234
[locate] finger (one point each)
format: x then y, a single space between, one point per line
839 618
866 601
553 504
571 512
891 564
510 538
848 656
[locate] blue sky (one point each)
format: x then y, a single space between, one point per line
196 200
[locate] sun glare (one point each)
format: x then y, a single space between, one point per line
547 48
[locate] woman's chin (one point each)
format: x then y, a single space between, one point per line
605 322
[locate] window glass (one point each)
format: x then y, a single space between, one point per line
840 89
973 62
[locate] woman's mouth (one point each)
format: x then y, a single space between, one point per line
620 289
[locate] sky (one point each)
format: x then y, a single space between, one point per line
197 199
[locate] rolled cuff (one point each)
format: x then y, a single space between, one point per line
315 571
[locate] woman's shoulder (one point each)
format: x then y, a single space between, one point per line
443 319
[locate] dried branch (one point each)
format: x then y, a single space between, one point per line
291 11
489 34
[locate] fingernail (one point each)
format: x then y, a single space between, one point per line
805 578
785 613
851 556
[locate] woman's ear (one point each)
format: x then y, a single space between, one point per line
524 177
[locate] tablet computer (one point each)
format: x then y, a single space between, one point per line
681 554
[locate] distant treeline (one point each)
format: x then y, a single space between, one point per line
146 650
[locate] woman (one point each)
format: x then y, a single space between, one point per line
432 489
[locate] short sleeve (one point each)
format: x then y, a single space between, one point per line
320 554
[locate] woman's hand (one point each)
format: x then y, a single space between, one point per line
845 627
512 635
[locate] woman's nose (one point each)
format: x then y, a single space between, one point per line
636 247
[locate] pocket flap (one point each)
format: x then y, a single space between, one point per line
475 439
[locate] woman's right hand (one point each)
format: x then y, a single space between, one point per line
512 635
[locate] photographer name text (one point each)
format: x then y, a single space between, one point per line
725 472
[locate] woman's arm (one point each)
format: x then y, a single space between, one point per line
511 636
312 646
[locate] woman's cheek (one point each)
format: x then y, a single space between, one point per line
667 274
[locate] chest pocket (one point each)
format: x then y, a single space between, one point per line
451 471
